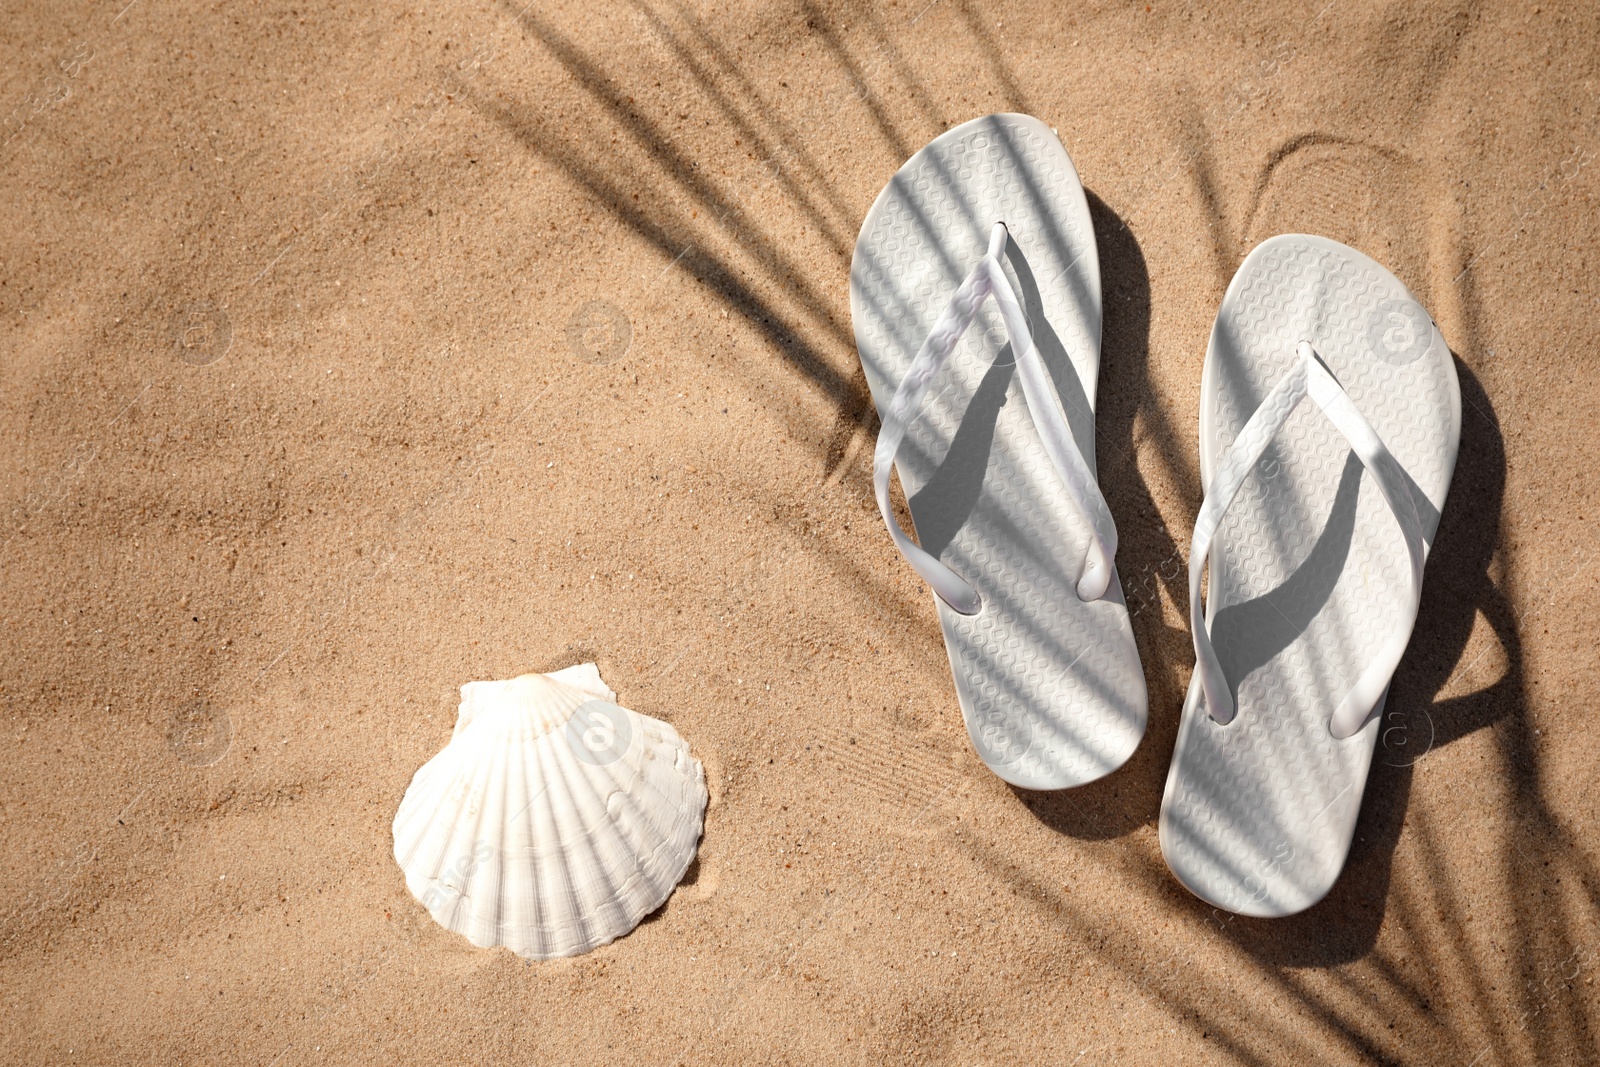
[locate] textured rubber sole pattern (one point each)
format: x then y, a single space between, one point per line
1050 686
1307 572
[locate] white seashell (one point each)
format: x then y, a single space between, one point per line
554 820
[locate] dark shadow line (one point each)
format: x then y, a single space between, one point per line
1015 99
857 78
709 268
1224 245
788 142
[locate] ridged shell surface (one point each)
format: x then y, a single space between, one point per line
554 820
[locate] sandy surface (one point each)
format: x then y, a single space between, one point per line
295 440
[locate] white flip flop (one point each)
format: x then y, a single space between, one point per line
995 447
1316 522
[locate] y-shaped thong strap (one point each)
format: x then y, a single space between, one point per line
988 279
1309 377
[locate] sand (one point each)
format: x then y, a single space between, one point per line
354 354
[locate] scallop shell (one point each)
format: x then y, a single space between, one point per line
554 820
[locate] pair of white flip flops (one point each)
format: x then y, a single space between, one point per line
1329 420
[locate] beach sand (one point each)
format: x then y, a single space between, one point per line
352 355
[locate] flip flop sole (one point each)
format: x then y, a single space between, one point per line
1050 686
1307 571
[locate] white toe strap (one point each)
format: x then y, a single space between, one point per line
988 279
1308 377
